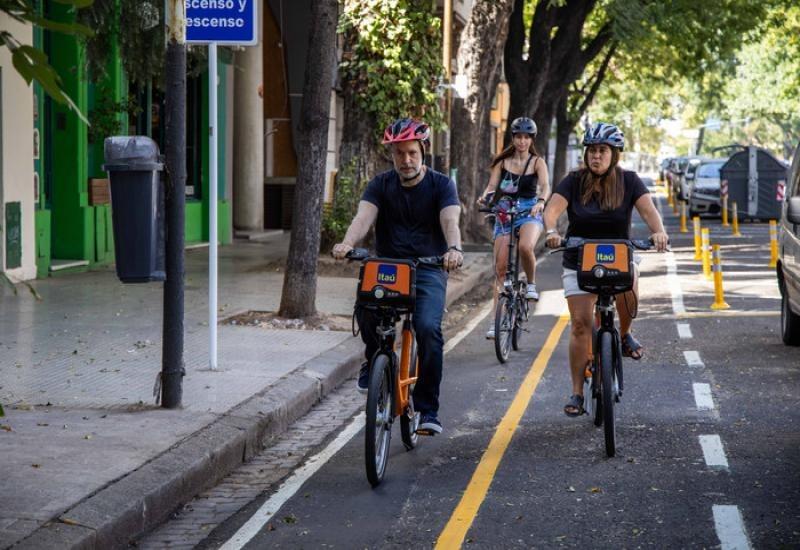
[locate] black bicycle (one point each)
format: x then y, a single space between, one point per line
605 268
387 288
512 308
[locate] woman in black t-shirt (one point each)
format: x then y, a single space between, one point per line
599 202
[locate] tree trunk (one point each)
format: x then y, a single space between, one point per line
555 60
300 279
359 155
479 56
527 77
563 129
544 122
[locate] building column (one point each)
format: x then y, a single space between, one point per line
248 137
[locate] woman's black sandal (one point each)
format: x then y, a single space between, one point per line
631 347
574 406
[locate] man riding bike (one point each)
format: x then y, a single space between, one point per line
415 211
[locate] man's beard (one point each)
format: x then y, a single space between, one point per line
411 178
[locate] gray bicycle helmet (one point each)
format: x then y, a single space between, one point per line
523 125
602 132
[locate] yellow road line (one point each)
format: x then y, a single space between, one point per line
456 529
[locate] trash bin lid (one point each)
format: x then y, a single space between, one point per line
122 150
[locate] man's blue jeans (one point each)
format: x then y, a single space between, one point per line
431 293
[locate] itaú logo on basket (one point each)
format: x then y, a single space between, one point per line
606 254
387 274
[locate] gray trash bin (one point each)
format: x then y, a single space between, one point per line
134 169
756 182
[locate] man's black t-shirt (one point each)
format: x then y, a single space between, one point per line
408 223
590 221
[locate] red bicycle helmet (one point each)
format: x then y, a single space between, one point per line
407 129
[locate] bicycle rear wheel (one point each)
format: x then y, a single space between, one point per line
409 419
608 383
503 327
378 430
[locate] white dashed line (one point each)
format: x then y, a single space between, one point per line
674 284
684 330
702 397
713 452
693 359
730 528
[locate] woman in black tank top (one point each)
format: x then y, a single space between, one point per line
518 175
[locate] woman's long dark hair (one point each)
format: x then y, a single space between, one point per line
509 151
607 189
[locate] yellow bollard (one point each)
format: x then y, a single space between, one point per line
683 218
725 211
773 243
669 197
719 294
697 250
735 214
706 256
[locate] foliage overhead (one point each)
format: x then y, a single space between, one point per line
719 59
31 63
392 58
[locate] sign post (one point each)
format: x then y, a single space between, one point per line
212 22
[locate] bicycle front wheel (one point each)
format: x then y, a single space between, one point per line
519 318
503 327
608 383
378 430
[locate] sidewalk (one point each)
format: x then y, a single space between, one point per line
88 460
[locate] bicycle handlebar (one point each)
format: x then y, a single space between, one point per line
361 254
576 242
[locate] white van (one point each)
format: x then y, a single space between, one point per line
788 268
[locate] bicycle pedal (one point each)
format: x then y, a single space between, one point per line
430 433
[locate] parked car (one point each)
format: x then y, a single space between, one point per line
675 171
788 268
680 175
704 192
663 169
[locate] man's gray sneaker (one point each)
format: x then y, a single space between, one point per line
429 424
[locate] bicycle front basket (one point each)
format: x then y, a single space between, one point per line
386 282
606 266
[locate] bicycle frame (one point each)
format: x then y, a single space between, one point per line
401 366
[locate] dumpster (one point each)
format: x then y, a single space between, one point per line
756 183
134 168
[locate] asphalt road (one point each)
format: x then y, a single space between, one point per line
553 486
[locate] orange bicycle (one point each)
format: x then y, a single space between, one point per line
387 287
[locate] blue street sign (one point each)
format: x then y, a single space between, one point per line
232 22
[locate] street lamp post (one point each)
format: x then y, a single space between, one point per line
172 368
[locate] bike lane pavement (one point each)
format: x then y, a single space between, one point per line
89 459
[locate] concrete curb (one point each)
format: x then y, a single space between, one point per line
141 500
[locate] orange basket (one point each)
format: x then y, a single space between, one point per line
605 266
387 283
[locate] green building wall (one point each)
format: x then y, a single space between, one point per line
67 226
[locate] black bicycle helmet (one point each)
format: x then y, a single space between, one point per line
602 132
523 125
